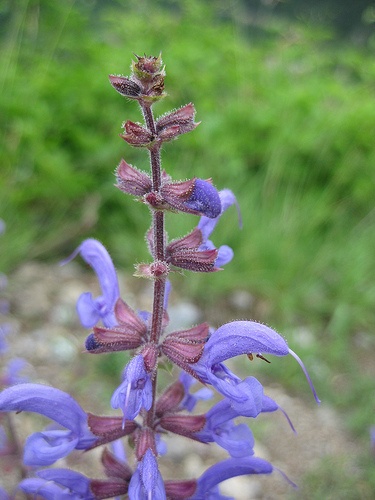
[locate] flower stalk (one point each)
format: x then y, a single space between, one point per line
148 411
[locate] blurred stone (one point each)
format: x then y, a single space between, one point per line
242 300
183 315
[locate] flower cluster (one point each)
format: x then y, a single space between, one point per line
148 412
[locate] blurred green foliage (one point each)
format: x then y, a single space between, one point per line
288 120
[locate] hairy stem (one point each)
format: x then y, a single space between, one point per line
159 242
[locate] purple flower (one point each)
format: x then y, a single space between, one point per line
91 310
246 396
4 495
232 467
59 484
194 196
204 199
44 448
207 225
135 392
238 440
233 339
12 371
190 400
146 482
5 328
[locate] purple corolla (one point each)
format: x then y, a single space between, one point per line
204 199
232 467
207 225
53 484
135 392
233 339
44 448
146 482
190 400
91 310
220 428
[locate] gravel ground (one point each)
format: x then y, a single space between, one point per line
45 332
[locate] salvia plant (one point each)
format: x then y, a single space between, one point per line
148 412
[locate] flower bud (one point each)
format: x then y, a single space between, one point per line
180 489
112 340
186 346
178 122
155 270
191 241
136 135
109 429
127 318
114 468
108 489
125 86
146 68
130 180
184 425
194 260
149 73
170 399
146 82
195 196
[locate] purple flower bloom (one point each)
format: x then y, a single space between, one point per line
238 440
232 467
58 484
12 371
193 196
246 396
5 328
190 400
92 310
135 392
204 199
207 225
146 482
3 494
242 337
44 448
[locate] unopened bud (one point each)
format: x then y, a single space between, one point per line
200 261
131 180
108 489
149 73
155 270
136 135
147 67
114 468
170 399
184 425
180 489
125 86
176 123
